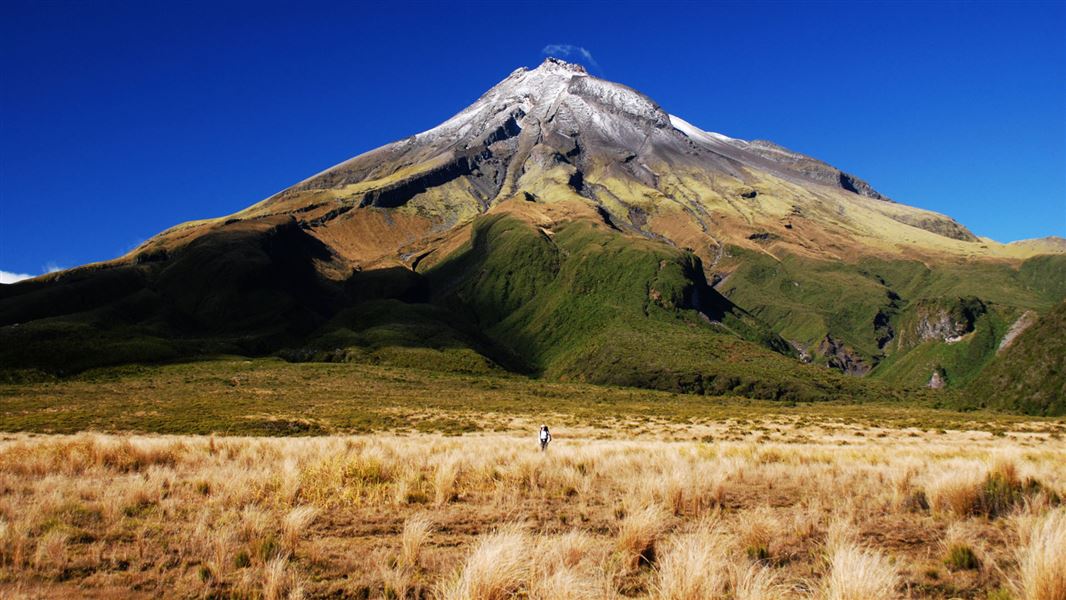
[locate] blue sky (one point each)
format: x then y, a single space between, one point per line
119 120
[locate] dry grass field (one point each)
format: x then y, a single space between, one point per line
798 509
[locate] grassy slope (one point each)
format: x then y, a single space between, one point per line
248 291
583 302
589 304
911 362
804 299
1030 375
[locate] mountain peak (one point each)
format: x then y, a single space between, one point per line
553 64
557 134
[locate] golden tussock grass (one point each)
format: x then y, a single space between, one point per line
416 532
496 569
1042 558
488 516
857 573
639 534
694 566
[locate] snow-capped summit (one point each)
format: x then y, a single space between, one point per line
555 133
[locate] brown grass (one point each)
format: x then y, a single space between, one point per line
857 573
639 535
488 516
416 532
495 570
1042 558
694 566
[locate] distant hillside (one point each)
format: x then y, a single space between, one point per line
1029 375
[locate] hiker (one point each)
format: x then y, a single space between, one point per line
545 437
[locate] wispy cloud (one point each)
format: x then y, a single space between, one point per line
570 51
9 277
12 277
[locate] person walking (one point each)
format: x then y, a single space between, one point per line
545 437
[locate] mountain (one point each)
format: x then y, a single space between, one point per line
567 227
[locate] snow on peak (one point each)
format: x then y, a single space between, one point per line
698 135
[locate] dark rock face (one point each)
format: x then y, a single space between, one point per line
883 328
762 236
841 357
398 194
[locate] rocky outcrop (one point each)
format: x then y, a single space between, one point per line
941 320
812 168
938 224
842 357
937 382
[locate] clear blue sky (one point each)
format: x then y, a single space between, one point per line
118 120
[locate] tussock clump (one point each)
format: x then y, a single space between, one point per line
959 551
564 568
1003 490
15 540
341 479
857 573
992 492
756 530
416 532
689 489
446 480
693 566
397 580
757 583
279 582
954 491
1042 558
51 550
496 569
961 557
566 584
565 551
252 523
222 556
409 489
639 534
294 525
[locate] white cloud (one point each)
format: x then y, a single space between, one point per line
8 277
568 50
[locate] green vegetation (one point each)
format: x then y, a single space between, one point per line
1030 375
589 304
273 397
961 557
804 299
580 303
958 361
875 307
